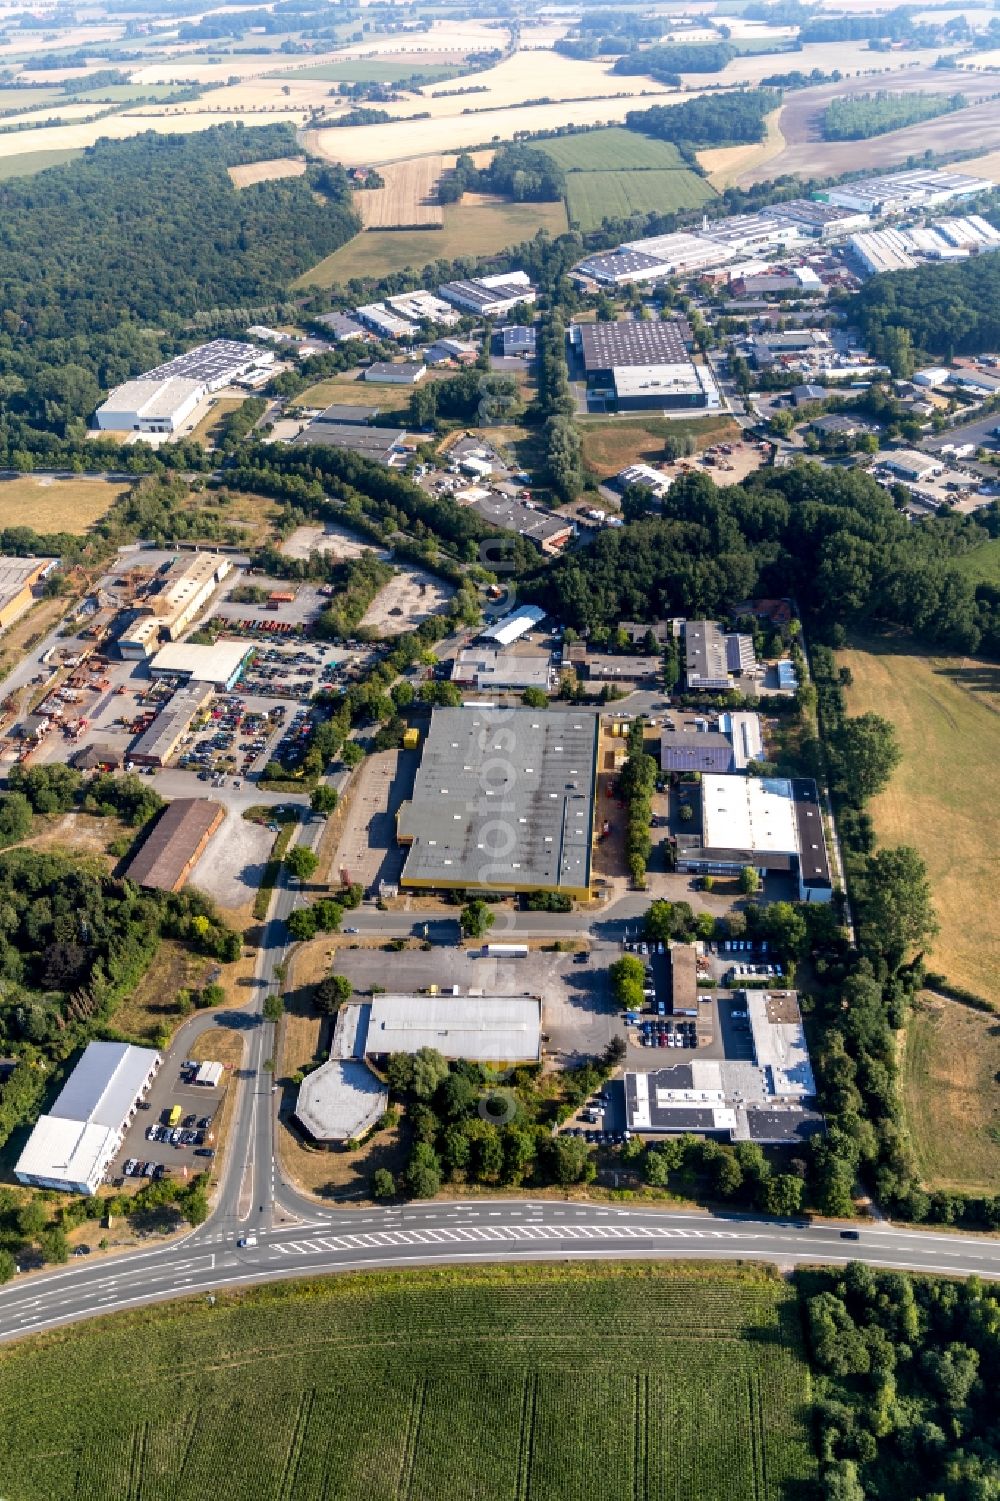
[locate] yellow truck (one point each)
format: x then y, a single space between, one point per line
174 1118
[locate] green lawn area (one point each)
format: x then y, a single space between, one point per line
494 1384
468 229
27 163
592 197
611 443
952 1104
14 100
371 70
982 564
612 150
126 93
942 795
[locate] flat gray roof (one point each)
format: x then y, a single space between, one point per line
503 799
340 1100
371 442
490 1028
610 345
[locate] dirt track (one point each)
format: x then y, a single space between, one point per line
808 155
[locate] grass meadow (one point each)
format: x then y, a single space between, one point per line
981 564
592 197
56 505
951 1060
942 795
558 1383
612 150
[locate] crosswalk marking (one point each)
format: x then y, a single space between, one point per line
492 1234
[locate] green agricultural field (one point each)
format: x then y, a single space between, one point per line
592 197
27 163
126 93
612 150
498 1383
371 70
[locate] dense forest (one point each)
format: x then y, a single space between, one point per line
946 309
836 531
856 117
667 63
907 1372
518 171
102 260
724 119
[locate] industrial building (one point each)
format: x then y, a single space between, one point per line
499 1029
880 250
716 660
183 592
910 464
621 267
682 253
380 444
518 623
637 366
486 667
519 341
149 406
604 667
72 1147
341 327
383 321
340 1101
646 477
456 351
399 373
160 400
490 296
423 307
220 665
773 824
765 349
19 577
547 531
821 221
741 233
175 843
503 801
155 746
902 192
690 743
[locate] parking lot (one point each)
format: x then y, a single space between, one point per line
193 1150
367 851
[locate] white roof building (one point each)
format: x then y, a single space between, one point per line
340 1101
220 664
492 1028
150 405
756 814
72 1146
512 626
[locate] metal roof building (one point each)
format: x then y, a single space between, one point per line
155 746
486 1028
377 443
518 623
503 801
220 664
73 1145
175 842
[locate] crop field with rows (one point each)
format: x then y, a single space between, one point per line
499 1383
592 197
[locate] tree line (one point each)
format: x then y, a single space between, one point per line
718 120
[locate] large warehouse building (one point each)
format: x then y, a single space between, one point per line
219 665
175 843
636 366
774 824
160 400
503 801
72 1147
184 591
500 1029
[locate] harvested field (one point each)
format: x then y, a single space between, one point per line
479 229
374 70
725 164
57 505
448 37
221 407
409 199
849 57
281 166
984 166
806 153
406 600
350 390
945 711
377 144
73 138
592 197
951 1059
609 445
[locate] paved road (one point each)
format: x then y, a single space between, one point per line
335 1240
